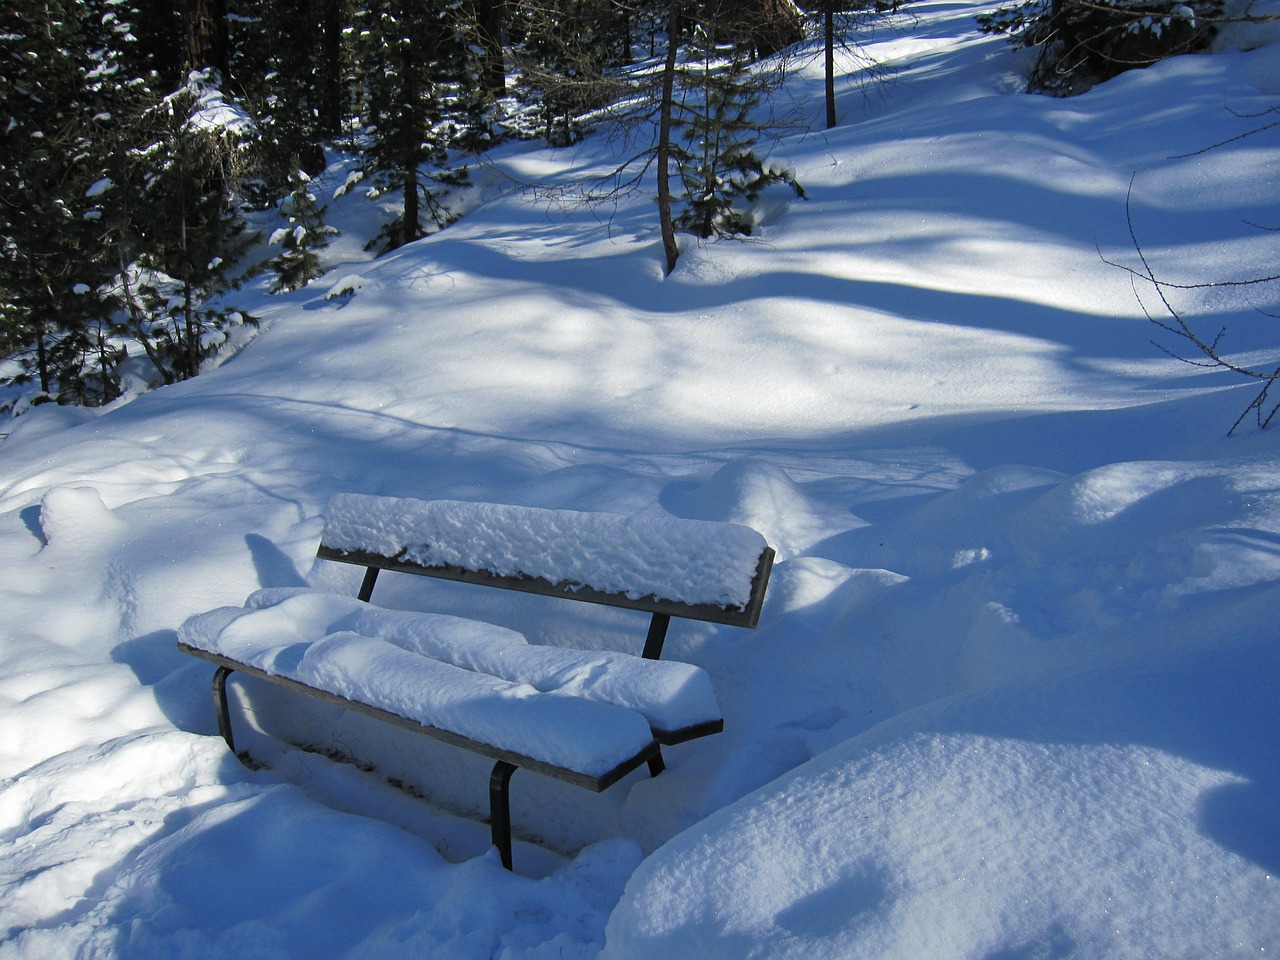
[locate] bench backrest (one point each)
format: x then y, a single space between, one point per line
696 569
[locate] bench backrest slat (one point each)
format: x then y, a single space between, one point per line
421 537
731 616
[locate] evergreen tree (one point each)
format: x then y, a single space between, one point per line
485 20
289 76
53 83
566 50
760 28
715 153
1082 42
419 61
178 253
159 29
303 234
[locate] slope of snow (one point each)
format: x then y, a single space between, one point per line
1013 690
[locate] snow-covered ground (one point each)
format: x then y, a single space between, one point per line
1015 689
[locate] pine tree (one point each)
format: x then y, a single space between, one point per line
281 52
415 49
1082 42
565 54
303 234
717 160
53 268
180 250
484 25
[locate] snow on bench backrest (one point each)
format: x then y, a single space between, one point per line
701 565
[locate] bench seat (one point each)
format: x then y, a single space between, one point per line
277 629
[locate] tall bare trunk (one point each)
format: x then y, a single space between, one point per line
829 35
208 44
669 245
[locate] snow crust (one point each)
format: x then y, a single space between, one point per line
688 561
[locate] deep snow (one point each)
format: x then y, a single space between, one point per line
1013 693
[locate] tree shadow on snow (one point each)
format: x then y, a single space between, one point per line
273 565
181 683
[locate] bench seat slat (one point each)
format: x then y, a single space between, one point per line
595 782
276 626
588 736
585 736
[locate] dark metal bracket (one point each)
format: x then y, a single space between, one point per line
657 764
220 704
500 808
366 585
657 636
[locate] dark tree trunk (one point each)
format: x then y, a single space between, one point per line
669 246
489 20
208 42
411 134
829 37
42 359
410 227
329 70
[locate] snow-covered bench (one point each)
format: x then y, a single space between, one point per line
585 717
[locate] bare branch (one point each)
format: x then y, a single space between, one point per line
1170 319
1223 143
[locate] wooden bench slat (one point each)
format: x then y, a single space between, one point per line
694 569
597 783
586 736
748 616
275 627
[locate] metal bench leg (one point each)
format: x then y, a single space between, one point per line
656 637
366 585
500 808
656 764
220 704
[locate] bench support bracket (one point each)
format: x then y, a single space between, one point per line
220 703
366 585
500 808
657 636
656 763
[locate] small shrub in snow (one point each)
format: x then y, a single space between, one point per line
304 234
715 152
1084 42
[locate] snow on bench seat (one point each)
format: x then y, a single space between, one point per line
582 711
710 570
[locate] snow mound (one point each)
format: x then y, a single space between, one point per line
759 494
1051 820
75 518
345 286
